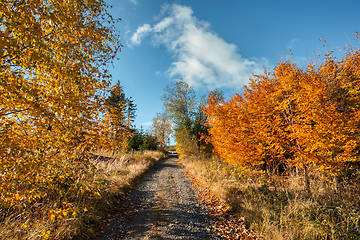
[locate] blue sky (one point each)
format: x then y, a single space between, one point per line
219 44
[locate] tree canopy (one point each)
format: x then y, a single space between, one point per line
53 82
162 128
185 109
292 117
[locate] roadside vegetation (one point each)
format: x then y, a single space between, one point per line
67 140
279 207
285 152
84 207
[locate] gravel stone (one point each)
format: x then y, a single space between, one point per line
163 206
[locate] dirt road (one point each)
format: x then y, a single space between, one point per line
163 206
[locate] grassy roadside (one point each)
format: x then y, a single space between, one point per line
80 210
280 208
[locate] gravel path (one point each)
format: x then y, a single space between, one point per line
163 206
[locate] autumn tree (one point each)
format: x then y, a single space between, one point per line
185 109
53 59
291 117
180 103
121 114
330 125
162 128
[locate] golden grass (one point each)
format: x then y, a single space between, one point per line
79 211
280 207
123 169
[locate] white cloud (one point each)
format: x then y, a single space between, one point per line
201 57
140 33
163 24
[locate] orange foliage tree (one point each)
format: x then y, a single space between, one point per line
291 117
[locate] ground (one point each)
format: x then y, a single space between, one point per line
165 205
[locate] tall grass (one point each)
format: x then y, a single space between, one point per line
80 210
279 207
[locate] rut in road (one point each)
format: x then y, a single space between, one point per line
163 206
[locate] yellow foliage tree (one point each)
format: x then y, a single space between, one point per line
184 108
119 117
53 58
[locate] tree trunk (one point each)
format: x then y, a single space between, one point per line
307 179
336 183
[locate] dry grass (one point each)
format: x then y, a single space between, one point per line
79 211
280 207
123 169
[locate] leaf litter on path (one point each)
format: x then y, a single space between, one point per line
169 204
